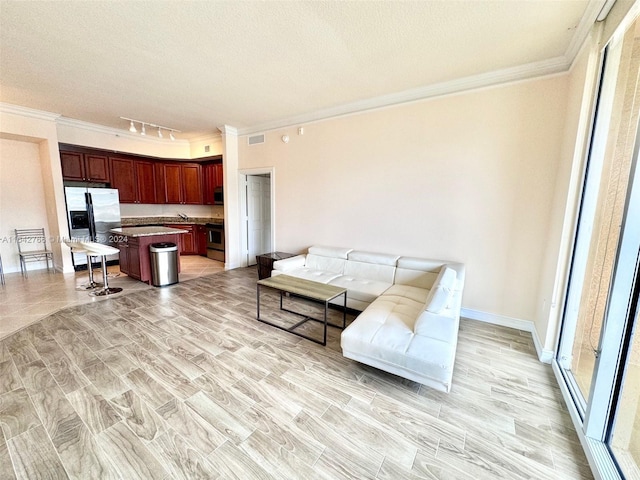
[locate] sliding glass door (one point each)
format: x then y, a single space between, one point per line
599 351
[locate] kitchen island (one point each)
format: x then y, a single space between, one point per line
133 243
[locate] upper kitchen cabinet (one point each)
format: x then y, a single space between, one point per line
84 167
180 183
212 173
134 179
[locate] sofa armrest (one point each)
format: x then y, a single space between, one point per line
290 263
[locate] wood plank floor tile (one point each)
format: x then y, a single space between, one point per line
278 461
150 390
233 463
33 456
131 458
9 377
138 416
285 435
230 425
343 455
68 375
93 408
105 380
80 454
195 429
17 413
182 460
117 361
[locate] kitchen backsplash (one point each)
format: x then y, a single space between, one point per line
149 210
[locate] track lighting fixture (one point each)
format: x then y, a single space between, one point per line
143 131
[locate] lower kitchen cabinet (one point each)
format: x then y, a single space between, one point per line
134 254
201 240
130 257
188 244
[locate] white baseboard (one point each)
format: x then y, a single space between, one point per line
544 356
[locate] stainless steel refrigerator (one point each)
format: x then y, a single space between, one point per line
91 213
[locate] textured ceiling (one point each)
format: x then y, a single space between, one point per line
195 66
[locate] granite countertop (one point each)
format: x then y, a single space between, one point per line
145 231
137 221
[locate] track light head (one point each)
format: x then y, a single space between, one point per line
143 128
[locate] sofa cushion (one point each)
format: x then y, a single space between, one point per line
417 272
289 263
438 326
442 291
372 257
312 274
371 271
327 264
360 288
414 293
335 252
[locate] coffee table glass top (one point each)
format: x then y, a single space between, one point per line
300 286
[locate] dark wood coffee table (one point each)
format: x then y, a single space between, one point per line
315 291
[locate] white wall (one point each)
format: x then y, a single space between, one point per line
30 126
137 210
467 177
20 172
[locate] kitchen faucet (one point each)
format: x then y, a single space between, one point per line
183 216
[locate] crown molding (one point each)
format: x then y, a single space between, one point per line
496 77
228 130
28 112
594 7
92 127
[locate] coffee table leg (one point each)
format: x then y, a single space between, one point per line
326 307
258 300
344 312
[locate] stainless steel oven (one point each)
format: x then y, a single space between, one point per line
215 241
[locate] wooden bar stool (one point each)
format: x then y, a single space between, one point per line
100 250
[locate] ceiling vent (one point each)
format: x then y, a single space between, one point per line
256 139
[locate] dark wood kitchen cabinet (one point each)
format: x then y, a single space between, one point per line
180 183
130 257
187 244
135 259
123 178
84 167
212 174
134 179
201 240
145 182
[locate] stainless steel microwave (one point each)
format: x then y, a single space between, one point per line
218 196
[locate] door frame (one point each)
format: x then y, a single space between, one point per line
242 189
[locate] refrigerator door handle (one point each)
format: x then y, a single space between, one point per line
92 224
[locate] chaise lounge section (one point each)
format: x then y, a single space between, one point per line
410 308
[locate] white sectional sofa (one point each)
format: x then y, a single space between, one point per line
410 308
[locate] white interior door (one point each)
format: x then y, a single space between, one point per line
258 216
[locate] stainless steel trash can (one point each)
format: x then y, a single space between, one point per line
164 263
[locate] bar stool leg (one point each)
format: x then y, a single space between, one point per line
92 284
106 290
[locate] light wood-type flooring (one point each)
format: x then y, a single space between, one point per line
182 382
